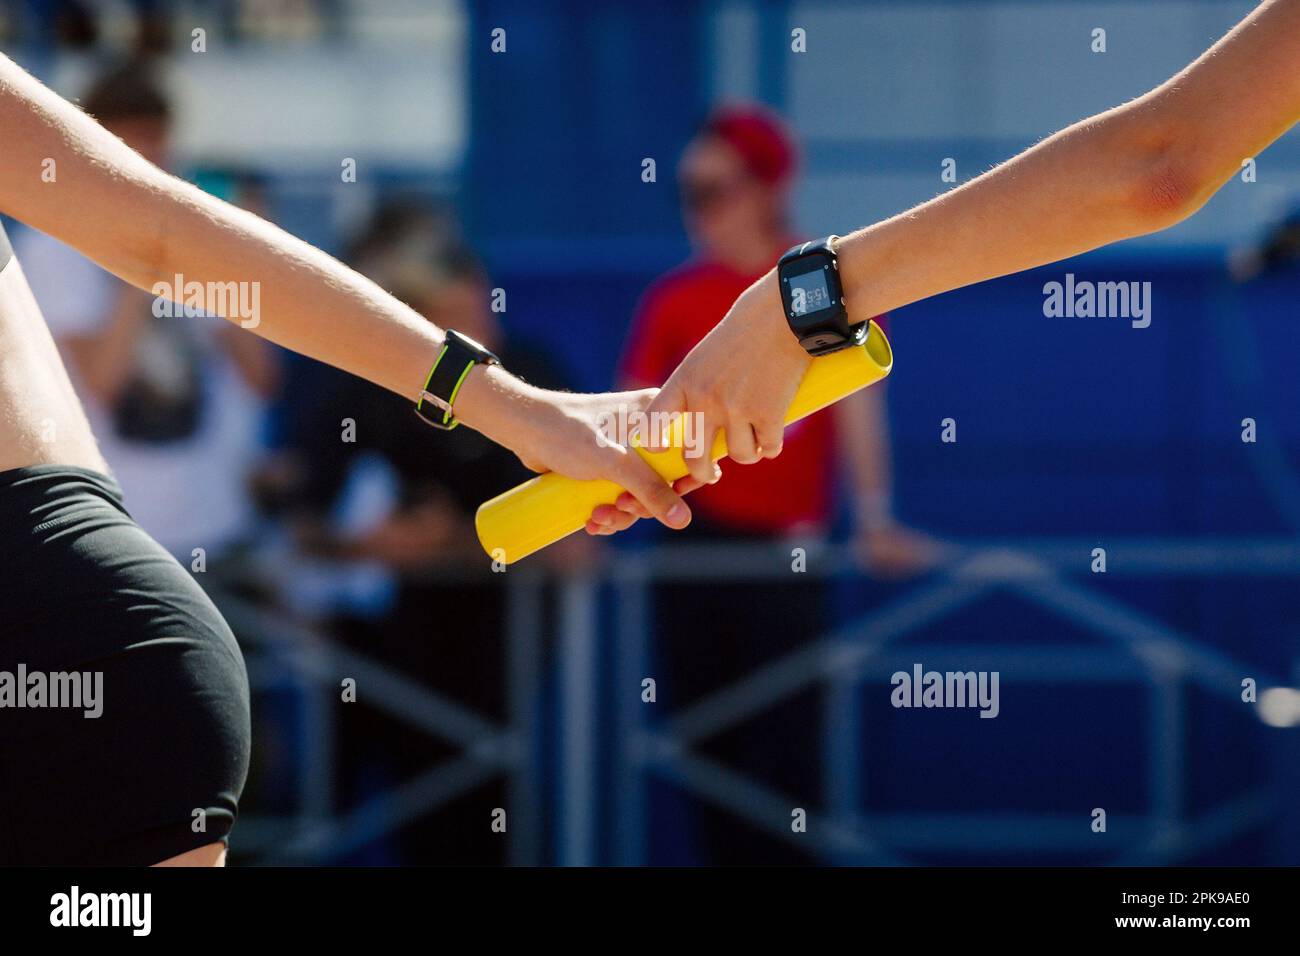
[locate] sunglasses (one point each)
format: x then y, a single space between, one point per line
700 195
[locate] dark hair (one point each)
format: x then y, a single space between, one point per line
1281 248
399 220
459 264
129 91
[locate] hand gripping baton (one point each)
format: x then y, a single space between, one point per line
549 507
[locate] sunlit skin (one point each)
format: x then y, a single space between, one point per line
734 217
741 219
1132 170
432 530
105 359
741 225
122 211
173 227
214 854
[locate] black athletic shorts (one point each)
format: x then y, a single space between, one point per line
146 752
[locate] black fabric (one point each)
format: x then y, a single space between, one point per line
86 590
6 250
162 400
699 652
462 464
448 636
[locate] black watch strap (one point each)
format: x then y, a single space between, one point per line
812 269
829 244
458 356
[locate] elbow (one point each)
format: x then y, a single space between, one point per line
1168 179
1165 191
144 244
153 264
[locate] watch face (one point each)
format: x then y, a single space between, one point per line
811 293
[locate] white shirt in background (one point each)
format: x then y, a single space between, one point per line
191 493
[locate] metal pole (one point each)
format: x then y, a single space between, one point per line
578 721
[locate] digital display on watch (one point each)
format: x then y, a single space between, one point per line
809 293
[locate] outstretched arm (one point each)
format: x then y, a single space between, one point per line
1135 169
146 227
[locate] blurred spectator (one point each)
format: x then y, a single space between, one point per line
150 25
140 25
735 179
446 624
1279 250
175 402
442 476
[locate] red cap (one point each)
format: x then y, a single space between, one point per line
761 138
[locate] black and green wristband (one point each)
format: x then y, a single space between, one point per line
457 357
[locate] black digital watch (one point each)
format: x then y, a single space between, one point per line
457 357
809 276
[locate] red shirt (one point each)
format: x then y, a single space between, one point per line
772 496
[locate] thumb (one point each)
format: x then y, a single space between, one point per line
654 494
660 413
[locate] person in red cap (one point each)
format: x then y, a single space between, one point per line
735 178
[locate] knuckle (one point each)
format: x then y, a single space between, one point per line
711 395
630 476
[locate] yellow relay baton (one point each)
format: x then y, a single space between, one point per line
549 507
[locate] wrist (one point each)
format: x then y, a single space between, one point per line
854 257
772 327
505 409
459 389
875 511
493 402
878 274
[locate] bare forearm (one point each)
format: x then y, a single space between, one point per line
307 301
316 306
148 227
1052 202
1132 170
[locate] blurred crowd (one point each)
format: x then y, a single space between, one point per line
289 487
313 498
150 25
304 492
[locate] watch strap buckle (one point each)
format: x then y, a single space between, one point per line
445 421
